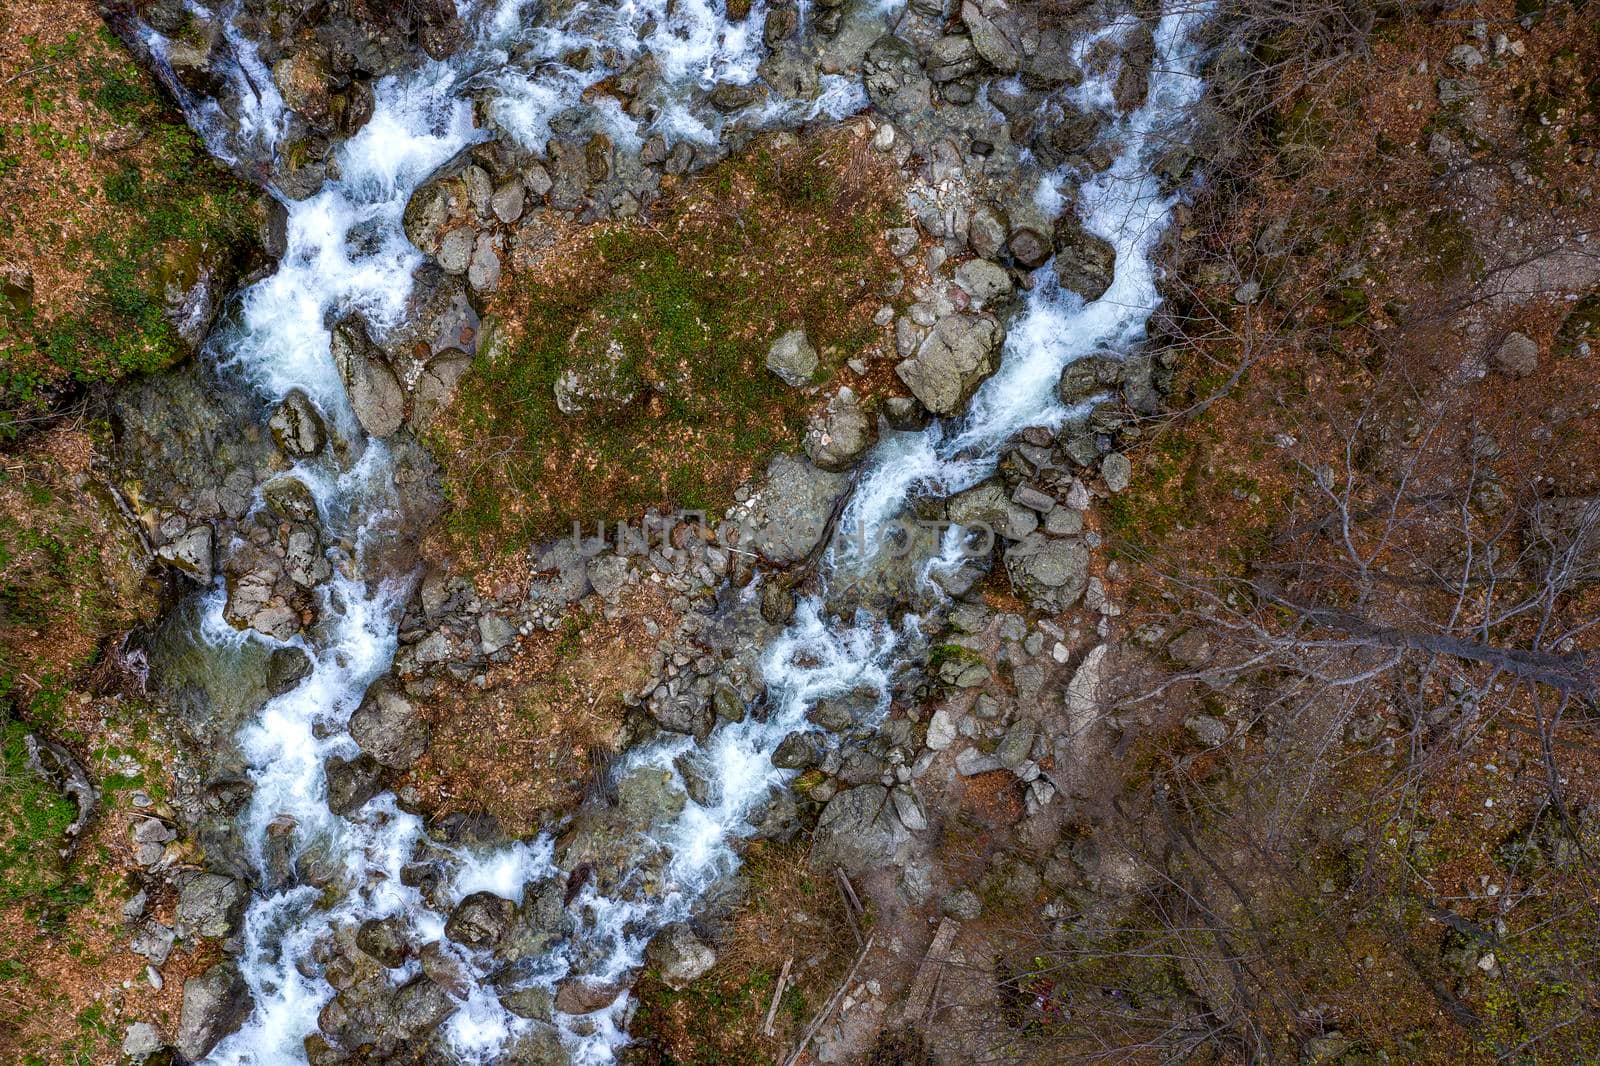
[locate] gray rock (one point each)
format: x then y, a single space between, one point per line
1207 730
389 728
585 995
1517 355
679 956
941 729
997 31
455 250
352 782
793 358
648 796
954 359
190 553
534 1003
214 1005
857 830
1029 247
699 776
971 762
210 905
985 281
141 1040
962 904
483 273
840 433
154 941
297 426
987 230
797 751
989 506
788 517
1085 264
508 200
1117 470
375 393
480 920
608 574
1016 747
1050 573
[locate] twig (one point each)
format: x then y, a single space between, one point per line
827 1008
852 905
777 994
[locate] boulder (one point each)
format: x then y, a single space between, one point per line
954 359
1050 573
1085 264
1086 378
297 426
679 956
840 433
858 830
1517 355
214 1004
989 506
1001 32
985 281
375 393
303 82
793 358
190 553
480 920
210 905
797 751
388 940
389 728
352 782
788 516
585 995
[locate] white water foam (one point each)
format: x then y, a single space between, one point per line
281 341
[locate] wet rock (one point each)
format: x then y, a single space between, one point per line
533 1003
839 434
955 358
352 782
1066 133
1000 33
1085 378
375 393
385 939
1133 75
699 777
1517 355
1030 248
788 517
1084 263
793 358
286 668
584 995
214 1005
797 751
679 956
480 920
419 1008
1051 573
297 426
302 79
537 1045
389 728
648 796
894 79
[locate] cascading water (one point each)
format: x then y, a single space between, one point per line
281 341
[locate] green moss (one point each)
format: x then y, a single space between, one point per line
35 817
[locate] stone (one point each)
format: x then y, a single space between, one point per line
297 426
1117 470
840 433
608 574
1085 264
679 956
375 393
214 1004
352 782
793 358
941 729
387 940
141 1040
1051 573
509 200
962 904
987 230
302 79
996 33
286 668
858 830
585 995
989 507
787 518
952 362
190 553
985 281
480 920
1517 356
533 1003
1207 730
456 249
1030 248
388 727
797 751
210 905
1016 747
483 272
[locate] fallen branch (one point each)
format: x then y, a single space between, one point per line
827 1008
777 994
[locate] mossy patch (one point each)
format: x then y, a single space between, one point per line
687 304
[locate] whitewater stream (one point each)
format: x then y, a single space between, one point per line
278 339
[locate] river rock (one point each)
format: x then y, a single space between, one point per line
388 940
1085 264
375 393
480 920
584 995
1085 378
352 782
210 905
954 359
190 553
987 282
989 506
793 358
1050 573
797 751
1001 32
214 1004
679 956
297 426
839 434
858 830
389 728
788 516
